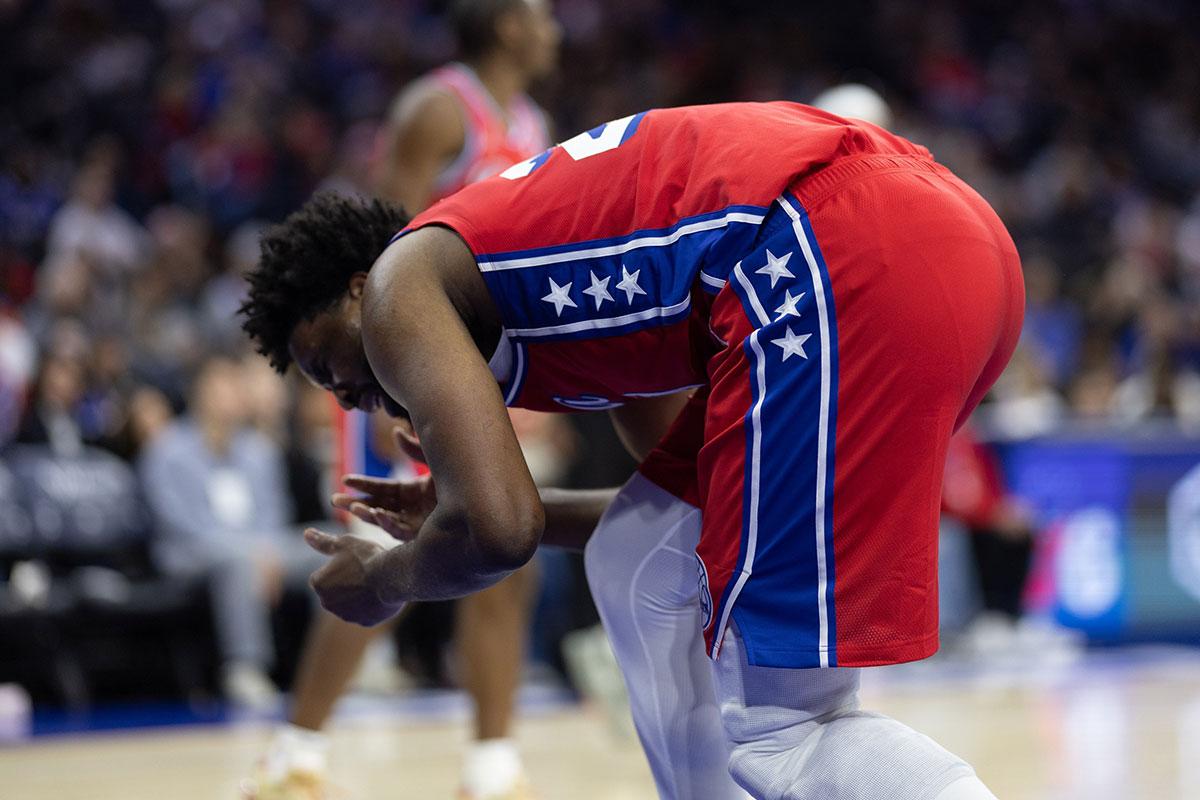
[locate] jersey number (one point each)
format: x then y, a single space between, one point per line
600 139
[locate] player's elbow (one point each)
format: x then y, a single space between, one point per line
508 536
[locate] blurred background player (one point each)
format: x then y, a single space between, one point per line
461 123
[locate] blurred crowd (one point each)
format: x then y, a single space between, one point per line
145 144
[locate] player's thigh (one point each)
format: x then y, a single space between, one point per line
926 299
859 334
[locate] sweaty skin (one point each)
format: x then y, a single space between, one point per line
425 313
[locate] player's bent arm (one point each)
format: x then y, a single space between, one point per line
489 518
572 515
400 505
640 424
424 133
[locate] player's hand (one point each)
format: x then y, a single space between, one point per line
349 584
398 506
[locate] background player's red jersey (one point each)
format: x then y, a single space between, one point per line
493 138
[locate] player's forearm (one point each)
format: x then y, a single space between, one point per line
572 515
451 557
445 560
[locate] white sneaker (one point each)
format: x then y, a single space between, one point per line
493 771
1044 642
247 686
294 767
593 668
990 637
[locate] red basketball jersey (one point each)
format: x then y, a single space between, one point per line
597 251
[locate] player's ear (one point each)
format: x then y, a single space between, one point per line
357 281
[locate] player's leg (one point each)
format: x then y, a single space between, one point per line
296 761
641 568
799 734
490 636
829 417
331 657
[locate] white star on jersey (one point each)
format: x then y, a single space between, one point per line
792 344
776 268
789 305
599 289
629 284
560 296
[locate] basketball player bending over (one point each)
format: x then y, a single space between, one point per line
839 301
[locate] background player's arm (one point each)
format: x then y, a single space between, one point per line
424 133
640 424
400 506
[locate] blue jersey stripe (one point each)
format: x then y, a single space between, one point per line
643 281
805 225
781 590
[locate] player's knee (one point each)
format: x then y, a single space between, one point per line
847 753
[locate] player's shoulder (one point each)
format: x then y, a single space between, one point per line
427 107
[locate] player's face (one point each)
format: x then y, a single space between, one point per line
541 36
328 349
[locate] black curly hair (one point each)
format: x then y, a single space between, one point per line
306 263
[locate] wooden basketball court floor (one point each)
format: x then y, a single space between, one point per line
1117 724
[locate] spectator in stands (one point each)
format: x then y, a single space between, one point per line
218 494
226 291
52 417
18 360
91 222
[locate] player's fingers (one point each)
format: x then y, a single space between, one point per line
316 582
395 525
367 483
321 542
364 512
344 501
